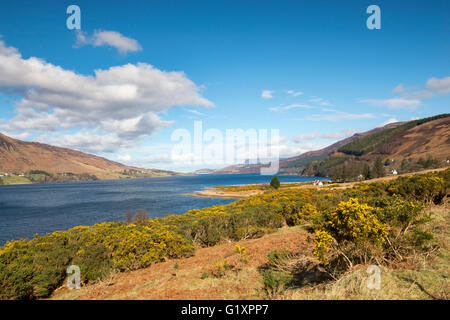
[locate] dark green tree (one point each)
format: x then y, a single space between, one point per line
404 165
379 168
366 171
275 183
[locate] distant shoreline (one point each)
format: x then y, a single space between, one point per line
221 192
246 190
87 180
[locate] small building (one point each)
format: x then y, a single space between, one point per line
394 172
318 183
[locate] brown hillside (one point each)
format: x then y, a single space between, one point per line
255 168
18 156
335 146
163 281
431 138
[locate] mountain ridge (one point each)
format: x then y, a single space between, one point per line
422 136
19 157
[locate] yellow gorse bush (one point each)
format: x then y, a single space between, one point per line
323 242
242 251
356 222
353 227
340 221
307 211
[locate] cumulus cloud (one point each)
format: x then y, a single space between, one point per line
124 157
88 141
267 94
108 38
114 107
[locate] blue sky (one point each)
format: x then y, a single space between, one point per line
311 69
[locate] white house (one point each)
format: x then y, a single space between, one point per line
394 172
318 183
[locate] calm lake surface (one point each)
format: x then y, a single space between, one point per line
40 208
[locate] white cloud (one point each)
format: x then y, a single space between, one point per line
114 107
329 135
291 106
294 93
124 157
340 116
442 86
389 121
320 101
87 141
412 100
399 88
340 134
267 94
394 103
196 112
307 136
286 151
108 38
424 94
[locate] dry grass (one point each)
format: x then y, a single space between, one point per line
424 279
163 281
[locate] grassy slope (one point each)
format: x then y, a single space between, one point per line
429 281
15 180
368 143
158 281
164 281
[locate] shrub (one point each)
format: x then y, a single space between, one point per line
357 232
221 268
323 242
275 282
32 269
308 212
428 188
278 257
242 251
275 182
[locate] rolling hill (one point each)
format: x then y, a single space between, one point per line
410 146
20 157
412 140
